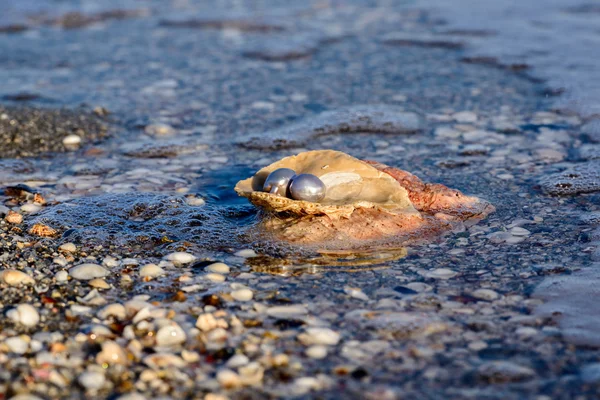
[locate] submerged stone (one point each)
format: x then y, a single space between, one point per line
354 119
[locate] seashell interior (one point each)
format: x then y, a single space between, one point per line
351 184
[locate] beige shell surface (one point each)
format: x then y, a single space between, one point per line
351 184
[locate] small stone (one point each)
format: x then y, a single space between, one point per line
287 311
206 322
17 344
485 294
151 271
246 253
180 258
238 360
72 140
12 277
42 230
465 116
99 283
30 208
114 310
159 130
170 335
217 278
228 379
318 352
440 273
24 314
504 371
111 353
356 293
518 231
13 217
86 272
68 247
319 336
61 276
219 268
242 294
91 380
110 262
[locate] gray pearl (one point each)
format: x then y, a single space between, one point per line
278 181
307 187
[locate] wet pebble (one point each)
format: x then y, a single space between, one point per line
170 335
13 217
13 277
24 314
242 294
111 353
504 371
319 336
317 352
151 271
219 268
92 380
68 247
287 311
485 294
180 258
72 141
17 344
86 272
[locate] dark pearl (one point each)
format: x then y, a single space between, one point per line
278 181
307 187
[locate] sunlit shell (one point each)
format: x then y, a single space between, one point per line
351 184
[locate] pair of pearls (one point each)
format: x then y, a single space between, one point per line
285 182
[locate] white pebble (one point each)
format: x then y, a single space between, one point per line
318 352
110 262
71 140
151 271
61 276
219 268
170 335
440 273
465 116
228 379
17 344
111 353
319 336
115 310
287 311
242 294
218 278
180 258
70 247
86 272
246 253
30 208
518 231
92 380
12 277
24 314
485 294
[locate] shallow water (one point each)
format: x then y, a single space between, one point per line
183 101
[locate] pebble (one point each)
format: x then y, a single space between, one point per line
356 293
246 253
504 371
318 352
170 335
159 130
465 116
518 231
219 268
110 262
24 314
61 276
92 380
69 247
111 353
86 272
114 310
12 277
287 311
319 336
485 294
13 218
71 140
242 294
17 344
217 278
440 273
228 379
180 258
99 283
30 208
151 271
206 322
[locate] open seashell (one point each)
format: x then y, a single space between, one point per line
350 183
365 201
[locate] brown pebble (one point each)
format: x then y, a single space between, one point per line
42 230
13 217
38 198
179 296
